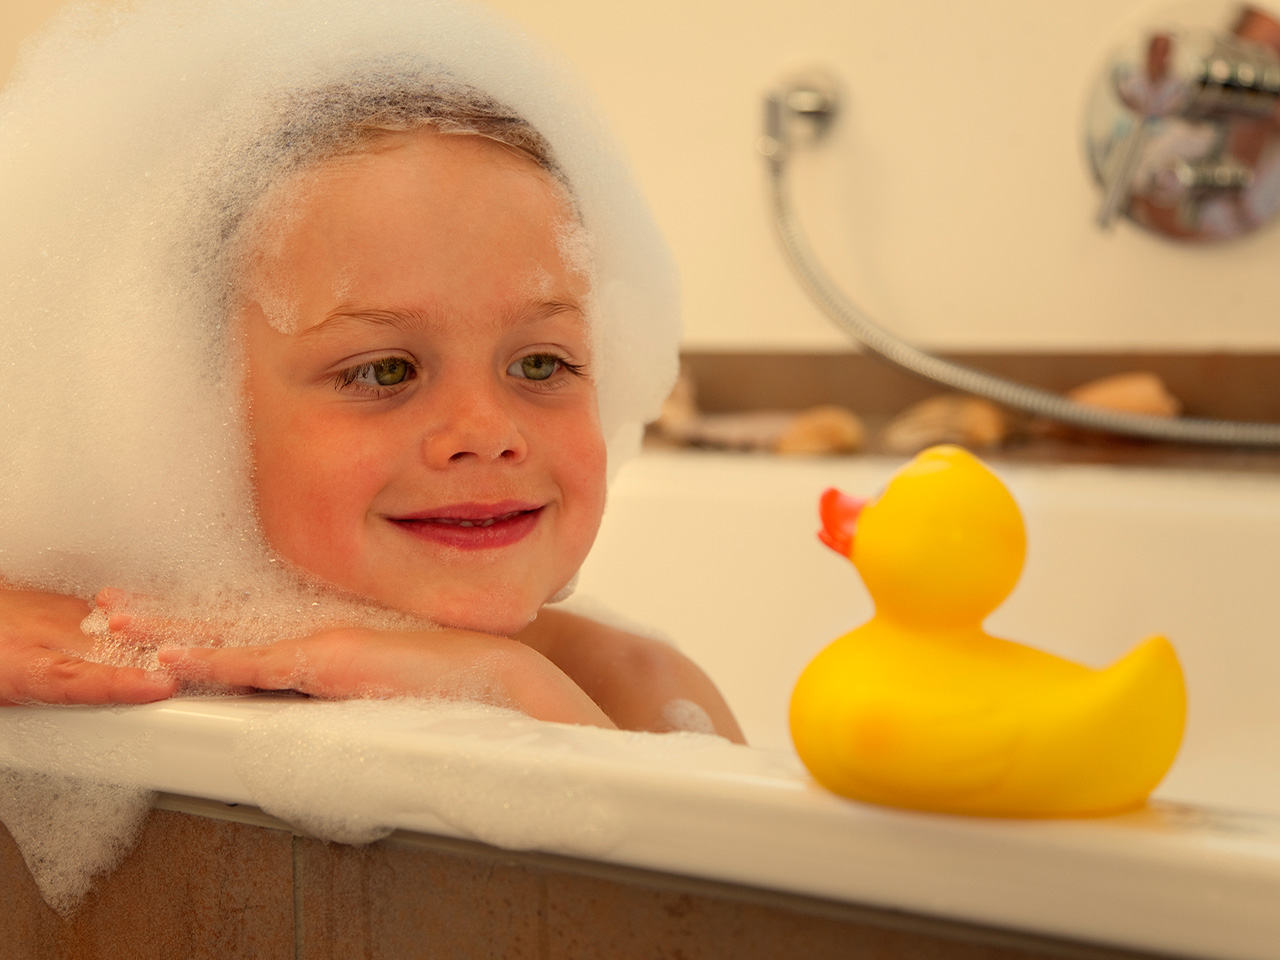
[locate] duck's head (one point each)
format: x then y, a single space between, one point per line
941 547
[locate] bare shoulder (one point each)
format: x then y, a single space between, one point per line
642 683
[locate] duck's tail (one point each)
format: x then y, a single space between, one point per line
1137 709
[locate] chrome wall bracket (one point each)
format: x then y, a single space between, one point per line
1182 129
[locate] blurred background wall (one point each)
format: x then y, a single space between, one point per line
952 199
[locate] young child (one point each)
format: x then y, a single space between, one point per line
421 309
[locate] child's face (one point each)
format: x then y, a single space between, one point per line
427 433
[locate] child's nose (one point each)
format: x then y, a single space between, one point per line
473 424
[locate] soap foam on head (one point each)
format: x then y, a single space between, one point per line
138 145
135 147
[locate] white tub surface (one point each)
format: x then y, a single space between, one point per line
719 553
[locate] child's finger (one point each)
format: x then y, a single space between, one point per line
147 630
129 623
61 679
112 598
278 666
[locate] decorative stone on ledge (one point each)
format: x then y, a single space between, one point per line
1228 386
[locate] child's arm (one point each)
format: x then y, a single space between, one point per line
41 645
562 667
641 683
358 662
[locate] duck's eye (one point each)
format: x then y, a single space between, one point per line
536 366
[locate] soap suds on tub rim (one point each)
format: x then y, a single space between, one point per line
73 810
346 771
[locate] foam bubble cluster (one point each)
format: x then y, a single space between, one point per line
499 783
67 807
74 794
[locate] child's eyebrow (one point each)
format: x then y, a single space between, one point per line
415 319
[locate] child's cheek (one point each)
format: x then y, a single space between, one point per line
315 480
583 459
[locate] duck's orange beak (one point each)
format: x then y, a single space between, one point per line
839 513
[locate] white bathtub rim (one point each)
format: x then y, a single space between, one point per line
1170 879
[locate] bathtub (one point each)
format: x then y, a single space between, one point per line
717 553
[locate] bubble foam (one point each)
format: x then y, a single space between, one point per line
133 145
76 785
71 814
347 771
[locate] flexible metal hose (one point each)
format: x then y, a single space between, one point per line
1018 396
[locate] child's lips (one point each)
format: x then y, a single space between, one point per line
472 526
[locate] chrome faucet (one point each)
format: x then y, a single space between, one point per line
1183 132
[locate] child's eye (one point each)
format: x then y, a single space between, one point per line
386 372
540 366
536 366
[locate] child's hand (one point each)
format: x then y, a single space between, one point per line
562 668
357 662
41 646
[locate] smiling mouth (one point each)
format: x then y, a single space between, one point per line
471 528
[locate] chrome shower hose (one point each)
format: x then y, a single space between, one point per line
1008 393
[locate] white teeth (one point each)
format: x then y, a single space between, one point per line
488 522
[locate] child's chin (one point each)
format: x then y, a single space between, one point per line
501 608
482 618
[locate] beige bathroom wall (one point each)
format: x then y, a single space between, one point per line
952 198
18 20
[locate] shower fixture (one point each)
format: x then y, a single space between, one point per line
1181 127
798 113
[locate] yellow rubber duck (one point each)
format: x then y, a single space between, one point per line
921 708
